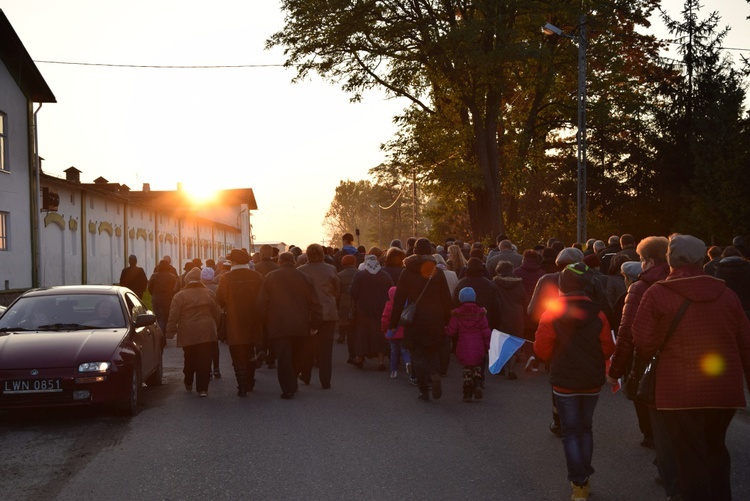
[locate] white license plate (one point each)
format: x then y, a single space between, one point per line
19 386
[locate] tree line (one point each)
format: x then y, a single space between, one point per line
488 143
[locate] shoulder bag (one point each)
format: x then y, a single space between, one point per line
407 314
647 385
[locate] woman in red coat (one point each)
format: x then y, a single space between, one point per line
699 383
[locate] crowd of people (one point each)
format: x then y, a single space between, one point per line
592 313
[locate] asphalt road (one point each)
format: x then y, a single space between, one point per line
366 438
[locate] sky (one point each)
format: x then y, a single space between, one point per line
292 143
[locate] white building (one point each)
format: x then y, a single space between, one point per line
60 231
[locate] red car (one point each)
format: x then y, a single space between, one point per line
76 346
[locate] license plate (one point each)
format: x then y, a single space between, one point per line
20 386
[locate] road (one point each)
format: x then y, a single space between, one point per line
366 438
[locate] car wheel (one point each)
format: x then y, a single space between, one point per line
156 377
130 406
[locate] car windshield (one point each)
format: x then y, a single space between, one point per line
63 312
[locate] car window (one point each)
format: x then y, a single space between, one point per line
63 311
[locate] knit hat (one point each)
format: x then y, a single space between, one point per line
207 274
592 261
631 270
685 249
467 295
348 260
239 256
574 278
423 247
397 243
194 275
371 264
569 255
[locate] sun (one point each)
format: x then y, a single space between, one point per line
200 193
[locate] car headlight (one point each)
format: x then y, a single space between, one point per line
94 367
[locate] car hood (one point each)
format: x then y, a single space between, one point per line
57 349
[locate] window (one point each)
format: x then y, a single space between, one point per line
3 142
4 216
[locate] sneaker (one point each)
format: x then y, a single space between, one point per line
424 397
394 374
410 369
437 388
580 492
202 393
413 380
217 374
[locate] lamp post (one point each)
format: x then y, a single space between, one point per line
580 40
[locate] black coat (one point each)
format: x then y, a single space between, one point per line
289 304
237 295
735 272
434 308
513 303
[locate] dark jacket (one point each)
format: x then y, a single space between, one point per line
238 295
513 303
161 286
735 272
576 342
134 278
266 266
433 310
288 303
345 300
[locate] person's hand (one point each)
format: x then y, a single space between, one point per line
611 381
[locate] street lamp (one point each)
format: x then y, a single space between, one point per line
580 40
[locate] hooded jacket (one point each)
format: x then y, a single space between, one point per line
386 318
577 342
194 315
469 323
702 364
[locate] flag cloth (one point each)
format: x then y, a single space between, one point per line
502 347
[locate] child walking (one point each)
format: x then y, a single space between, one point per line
395 339
469 323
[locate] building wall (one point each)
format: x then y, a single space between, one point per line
15 263
110 229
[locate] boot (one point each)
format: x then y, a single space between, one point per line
241 374
468 393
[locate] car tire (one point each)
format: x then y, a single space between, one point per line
130 406
157 377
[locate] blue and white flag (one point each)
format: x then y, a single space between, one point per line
502 347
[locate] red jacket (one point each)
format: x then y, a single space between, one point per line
469 323
701 365
386 317
623 357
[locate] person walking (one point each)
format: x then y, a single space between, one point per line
423 280
699 379
237 294
395 340
161 285
133 277
290 309
193 318
326 282
513 301
346 306
577 341
369 290
469 324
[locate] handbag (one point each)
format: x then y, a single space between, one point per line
407 314
637 368
647 385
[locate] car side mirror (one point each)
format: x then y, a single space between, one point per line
145 319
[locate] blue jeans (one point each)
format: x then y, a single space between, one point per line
396 350
576 417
